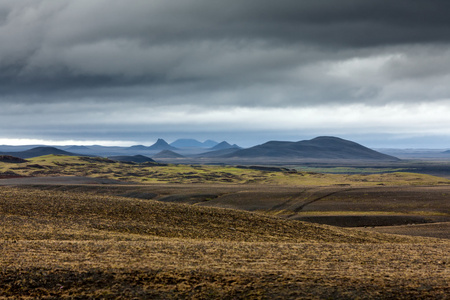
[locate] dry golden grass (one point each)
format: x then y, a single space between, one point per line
175 268
33 213
81 245
54 165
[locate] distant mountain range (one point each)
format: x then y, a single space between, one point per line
320 148
225 145
192 143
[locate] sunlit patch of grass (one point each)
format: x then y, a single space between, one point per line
54 165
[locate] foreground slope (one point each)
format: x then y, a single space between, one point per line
91 214
56 244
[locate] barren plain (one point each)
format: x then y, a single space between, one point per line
80 228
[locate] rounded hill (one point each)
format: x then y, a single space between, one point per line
320 148
152 218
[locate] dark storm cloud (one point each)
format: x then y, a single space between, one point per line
203 52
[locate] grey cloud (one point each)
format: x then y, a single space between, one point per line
247 53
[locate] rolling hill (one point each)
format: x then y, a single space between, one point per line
40 151
137 148
320 148
11 159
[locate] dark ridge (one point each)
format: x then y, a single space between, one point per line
11 159
318 148
167 154
40 151
135 158
217 153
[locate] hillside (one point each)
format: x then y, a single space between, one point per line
62 243
40 151
216 154
320 148
11 159
152 218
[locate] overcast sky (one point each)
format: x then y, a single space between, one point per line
131 71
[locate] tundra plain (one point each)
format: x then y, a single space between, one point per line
80 228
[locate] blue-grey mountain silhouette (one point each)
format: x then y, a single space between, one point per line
225 145
323 147
161 145
40 151
138 148
167 154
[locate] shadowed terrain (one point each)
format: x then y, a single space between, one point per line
58 243
83 227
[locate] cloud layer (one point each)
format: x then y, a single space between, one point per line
83 60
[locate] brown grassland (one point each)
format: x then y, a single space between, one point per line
220 232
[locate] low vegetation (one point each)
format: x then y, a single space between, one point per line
53 165
205 232
57 244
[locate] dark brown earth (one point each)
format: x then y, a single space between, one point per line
384 208
11 159
82 238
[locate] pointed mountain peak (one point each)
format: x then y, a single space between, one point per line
161 145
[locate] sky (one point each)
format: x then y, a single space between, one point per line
129 72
